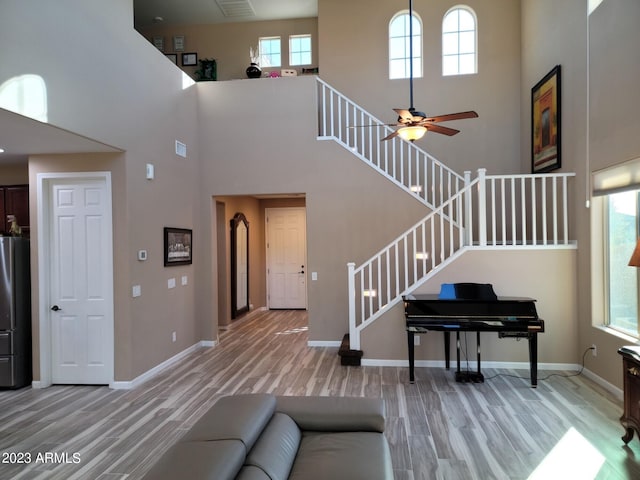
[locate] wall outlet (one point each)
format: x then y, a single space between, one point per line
173 336
416 340
594 350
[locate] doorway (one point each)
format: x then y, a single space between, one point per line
286 243
75 262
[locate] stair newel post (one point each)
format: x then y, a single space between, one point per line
482 207
468 225
354 335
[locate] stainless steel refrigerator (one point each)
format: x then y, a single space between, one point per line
15 313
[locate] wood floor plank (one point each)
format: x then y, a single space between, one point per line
436 428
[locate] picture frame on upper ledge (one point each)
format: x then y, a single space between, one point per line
189 59
546 123
178 43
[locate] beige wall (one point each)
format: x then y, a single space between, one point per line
548 276
229 43
106 82
351 210
354 60
112 85
14 174
610 138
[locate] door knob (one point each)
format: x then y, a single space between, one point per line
56 308
301 271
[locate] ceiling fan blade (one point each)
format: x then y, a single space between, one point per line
404 114
432 127
390 136
452 116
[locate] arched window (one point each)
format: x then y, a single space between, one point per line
459 41
399 39
26 95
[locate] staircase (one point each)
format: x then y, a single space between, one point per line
488 211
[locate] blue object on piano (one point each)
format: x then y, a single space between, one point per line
467 291
447 291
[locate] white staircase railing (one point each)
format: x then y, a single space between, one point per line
402 162
506 211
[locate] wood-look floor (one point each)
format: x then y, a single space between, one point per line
502 429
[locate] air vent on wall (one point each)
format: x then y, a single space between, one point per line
236 8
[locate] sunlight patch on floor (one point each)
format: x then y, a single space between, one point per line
291 331
572 457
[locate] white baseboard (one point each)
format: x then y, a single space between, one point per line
617 392
140 379
371 362
323 343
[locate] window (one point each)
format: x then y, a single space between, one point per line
300 50
459 42
399 38
26 95
270 52
621 232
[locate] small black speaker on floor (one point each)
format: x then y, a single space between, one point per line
348 356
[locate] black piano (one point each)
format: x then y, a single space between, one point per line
472 308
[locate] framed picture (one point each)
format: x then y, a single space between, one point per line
172 56
178 43
158 42
189 59
178 246
545 123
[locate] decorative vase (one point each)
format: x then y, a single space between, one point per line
254 71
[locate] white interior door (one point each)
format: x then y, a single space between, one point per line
286 257
80 264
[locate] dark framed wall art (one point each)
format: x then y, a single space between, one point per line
189 59
178 246
545 123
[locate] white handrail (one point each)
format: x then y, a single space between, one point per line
509 211
402 162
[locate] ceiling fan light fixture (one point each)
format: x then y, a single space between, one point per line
412 133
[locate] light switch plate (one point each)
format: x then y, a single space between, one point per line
171 283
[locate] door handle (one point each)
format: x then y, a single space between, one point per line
56 308
301 271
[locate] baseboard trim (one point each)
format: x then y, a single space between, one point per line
370 362
140 379
322 343
617 392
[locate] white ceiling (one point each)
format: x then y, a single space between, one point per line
181 12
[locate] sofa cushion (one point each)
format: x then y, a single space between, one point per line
239 417
218 460
352 455
337 414
249 472
276 449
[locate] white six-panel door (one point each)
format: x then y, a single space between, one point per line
81 285
286 257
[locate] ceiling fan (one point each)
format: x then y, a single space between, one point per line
414 124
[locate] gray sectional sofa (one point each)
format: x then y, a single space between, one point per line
264 437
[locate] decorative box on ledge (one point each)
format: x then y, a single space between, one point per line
348 356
